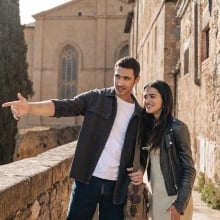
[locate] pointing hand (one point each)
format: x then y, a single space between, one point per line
19 107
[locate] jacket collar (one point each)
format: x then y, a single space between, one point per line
138 109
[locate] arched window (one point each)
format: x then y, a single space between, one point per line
69 73
124 51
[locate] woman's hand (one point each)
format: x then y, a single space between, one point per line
173 213
135 177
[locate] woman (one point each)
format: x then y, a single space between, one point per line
167 155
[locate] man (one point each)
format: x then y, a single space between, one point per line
103 159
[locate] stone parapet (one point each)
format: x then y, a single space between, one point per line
37 187
36 140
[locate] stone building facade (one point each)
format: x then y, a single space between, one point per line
73 48
178 41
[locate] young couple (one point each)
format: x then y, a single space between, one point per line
103 159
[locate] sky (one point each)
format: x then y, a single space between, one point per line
31 7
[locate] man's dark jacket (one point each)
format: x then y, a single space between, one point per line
99 110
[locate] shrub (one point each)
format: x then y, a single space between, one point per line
209 192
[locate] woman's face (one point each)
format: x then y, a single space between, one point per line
153 102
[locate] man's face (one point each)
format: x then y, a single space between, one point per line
124 81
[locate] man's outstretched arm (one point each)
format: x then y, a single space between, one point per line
22 107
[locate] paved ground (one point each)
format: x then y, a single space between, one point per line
202 211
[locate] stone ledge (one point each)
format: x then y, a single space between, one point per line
23 181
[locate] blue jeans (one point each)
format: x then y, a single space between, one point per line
85 197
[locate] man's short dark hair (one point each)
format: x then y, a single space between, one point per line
129 63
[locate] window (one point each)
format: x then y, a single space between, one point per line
205 44
69 73
155 39
124 51
186 61
148 52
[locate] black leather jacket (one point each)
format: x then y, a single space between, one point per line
176 163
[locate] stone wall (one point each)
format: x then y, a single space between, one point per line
37 187
33 141
154 41
198 88
186 33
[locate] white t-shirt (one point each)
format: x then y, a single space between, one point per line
109 161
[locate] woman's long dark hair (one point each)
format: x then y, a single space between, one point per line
152 131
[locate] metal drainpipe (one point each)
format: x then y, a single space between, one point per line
175 91
174 73
196 74
137 17
210 6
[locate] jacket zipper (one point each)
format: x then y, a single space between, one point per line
169 155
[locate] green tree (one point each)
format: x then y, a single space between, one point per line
13 73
